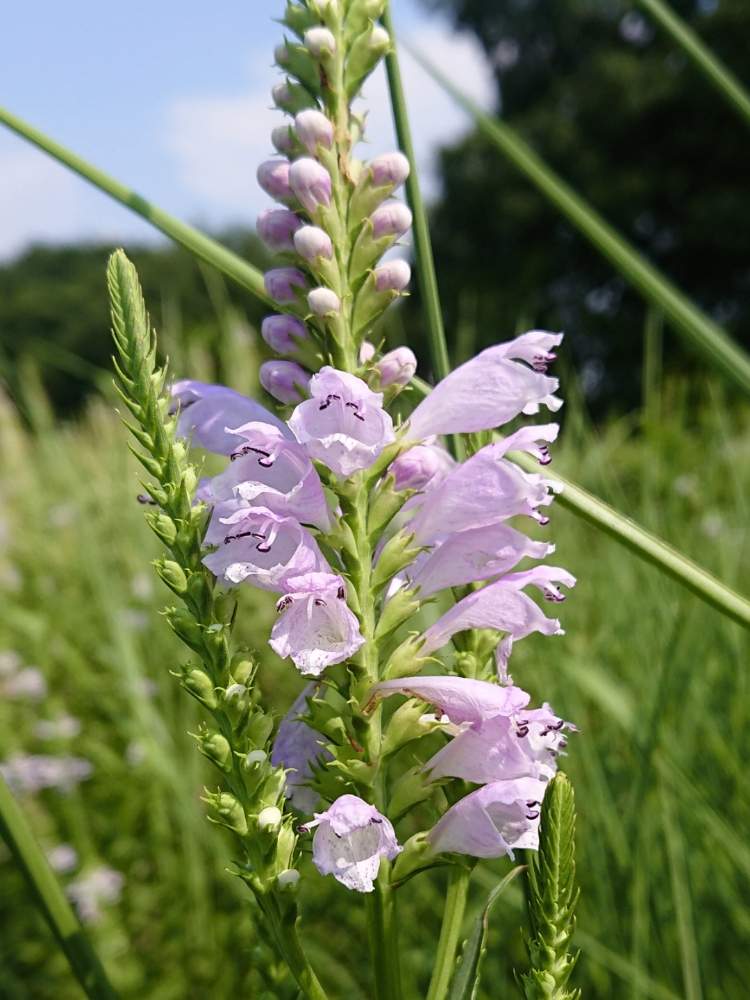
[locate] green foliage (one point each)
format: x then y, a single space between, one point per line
552 897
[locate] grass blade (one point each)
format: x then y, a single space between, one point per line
690 321
198 243
63 922
722 78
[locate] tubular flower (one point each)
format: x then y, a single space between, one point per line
350 840
295 748
205 412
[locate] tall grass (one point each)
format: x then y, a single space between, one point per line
656 681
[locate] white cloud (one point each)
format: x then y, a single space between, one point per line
218 141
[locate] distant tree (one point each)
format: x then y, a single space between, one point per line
610 102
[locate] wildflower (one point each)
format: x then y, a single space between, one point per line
320 42
276 227
389 170
343 424
350 840
315 627
310 242
393 276
98 887
31 773
323 302
260 547
492 821
283 334
397 367
284 380
295 748
392 218
205 412
423 466
273 177
282 283
461 699
313 129
311 183
62 858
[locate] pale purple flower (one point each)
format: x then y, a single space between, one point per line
296 747
461 699
525 744
392 218
284 380
493 821
343 424
423 466
311 183
31 773
62 858
397 367
394 276
323 301
260 547
350 840
273 177
389 169
276 227
319 42
490 389
473 555
315 626
283 334
206 411
268 470
283 139
98 887
311 242
28 684
503 607
282 283
484 489
313 129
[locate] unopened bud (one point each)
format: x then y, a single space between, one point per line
313 129
366 352
255 758
392 218
200 685
311 183
320 42
276 227
216 747
418 466
397 367
389 169
230 812
281 282
163 527
393 276
291 97
281 55
173 575
365 53
323 301
284 380
311 242
283 333
288 879
283 139
273 177
269 818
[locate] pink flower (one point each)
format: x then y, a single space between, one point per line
493 821
315 626
392 218
273 177
351 838
389 169
343 424
260 547
423 466
313 129
490 389
268 470
311 183
397 367
206 411
462 699
393 276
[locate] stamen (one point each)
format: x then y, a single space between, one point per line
242 534
328 400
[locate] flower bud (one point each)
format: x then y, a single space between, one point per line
291 97
276 227
310 242
163 527
216 747
284 380
273 177
200 685
269 818
392 218
389 169
323 301
397 367
393 276
415 468
365 53
283 333
288 879
281 282
173 575
313 129
281 55
255 758
311 183
320 42
230 812
282 138
366 352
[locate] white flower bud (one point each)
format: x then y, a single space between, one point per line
313 129
392 218
256 757
269 818
323 301
379 38
320 42
397 367
310 242
389 169
288 878
393 276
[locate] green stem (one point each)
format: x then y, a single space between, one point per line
202 246
57 911
381 913
450 933
287 940
722 78
709 338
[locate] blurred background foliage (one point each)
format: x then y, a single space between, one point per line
656 681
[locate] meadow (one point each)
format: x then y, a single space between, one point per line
655 679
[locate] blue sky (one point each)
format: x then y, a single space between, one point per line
173 99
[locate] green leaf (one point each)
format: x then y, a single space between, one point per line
465 984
